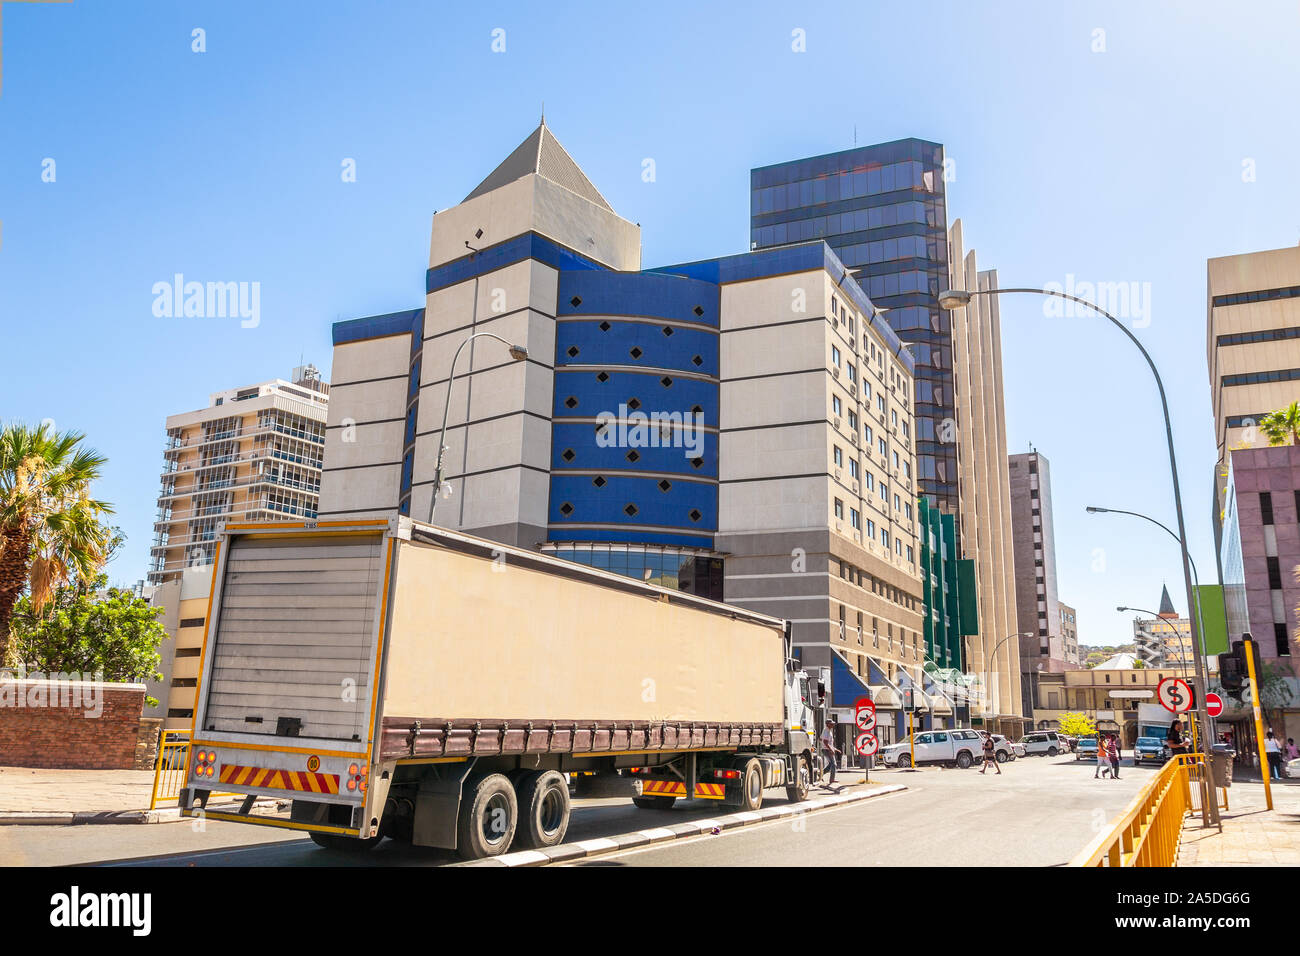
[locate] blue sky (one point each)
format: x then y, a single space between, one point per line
1124 165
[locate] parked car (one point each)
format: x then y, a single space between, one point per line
1150 748
1006 750
1047 742
959 747
1018 749
1086 749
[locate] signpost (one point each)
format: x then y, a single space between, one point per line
1248 643
864 716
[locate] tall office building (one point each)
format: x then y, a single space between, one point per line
1038 610
1252 347
739 427
254 454
883 209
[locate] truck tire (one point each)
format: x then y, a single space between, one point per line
797 792
751 786
964 760
654 803
489 813
347 844
543 809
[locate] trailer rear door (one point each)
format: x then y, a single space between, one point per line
296 627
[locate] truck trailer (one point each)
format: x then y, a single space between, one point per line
392 679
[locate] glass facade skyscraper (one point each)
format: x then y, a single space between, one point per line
883 210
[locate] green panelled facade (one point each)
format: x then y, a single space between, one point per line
949 586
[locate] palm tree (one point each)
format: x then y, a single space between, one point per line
51 530
1282 426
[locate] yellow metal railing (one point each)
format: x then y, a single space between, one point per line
169 771
1150 829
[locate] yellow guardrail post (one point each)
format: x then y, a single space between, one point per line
169 770
1149 831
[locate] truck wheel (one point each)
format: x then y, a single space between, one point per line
963 760
904 761
337 841
654 803
488 816
543 809
751 786
797 792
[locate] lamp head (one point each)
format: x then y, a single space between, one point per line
953 299
518 353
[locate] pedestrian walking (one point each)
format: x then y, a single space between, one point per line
1273 751
829 748
1113 754
990 754
1103 764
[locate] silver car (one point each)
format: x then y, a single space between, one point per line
1044 742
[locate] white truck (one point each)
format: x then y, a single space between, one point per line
393 679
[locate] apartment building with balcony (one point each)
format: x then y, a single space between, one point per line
253 454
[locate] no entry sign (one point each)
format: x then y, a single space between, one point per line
1174 695
1213 705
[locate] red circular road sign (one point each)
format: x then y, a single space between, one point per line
866 744
1175 695
864 713
864 703
1213 705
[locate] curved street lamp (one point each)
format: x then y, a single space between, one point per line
517 352
958 298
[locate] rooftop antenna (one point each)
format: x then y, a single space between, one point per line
855 135
543 112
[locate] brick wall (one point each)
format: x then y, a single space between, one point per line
54 724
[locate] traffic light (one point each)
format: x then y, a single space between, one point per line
1231 673
909 699
1233 669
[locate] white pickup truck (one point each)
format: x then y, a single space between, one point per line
959 748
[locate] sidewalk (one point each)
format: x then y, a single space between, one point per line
1252 835
34 797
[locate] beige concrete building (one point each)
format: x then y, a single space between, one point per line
254 454
1252 345
184 600
1108 695
984 486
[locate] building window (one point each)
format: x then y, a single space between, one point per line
1266 507
835 405
835 356
1274 575
1283 645
839 509
838 455
854 518
853 468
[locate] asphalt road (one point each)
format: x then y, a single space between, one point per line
1039 813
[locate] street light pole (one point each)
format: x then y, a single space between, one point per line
1198 621
517 352
988 664
955 299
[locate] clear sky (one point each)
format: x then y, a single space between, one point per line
1122 164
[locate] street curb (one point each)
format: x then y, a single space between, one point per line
676 831
33 818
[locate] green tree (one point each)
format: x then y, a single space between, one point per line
51 530
1077 725
112 636
1282 427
